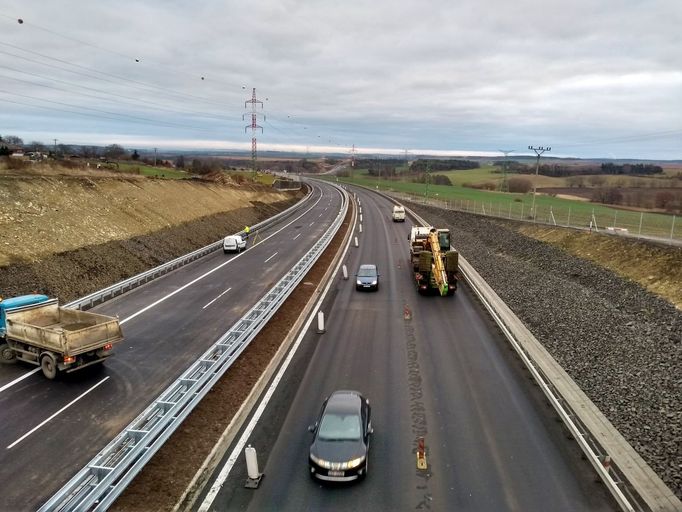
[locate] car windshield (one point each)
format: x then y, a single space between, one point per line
340 427
367 272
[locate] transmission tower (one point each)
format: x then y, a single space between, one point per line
254 125
505 186
538 151
352 160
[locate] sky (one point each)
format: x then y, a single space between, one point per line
588 78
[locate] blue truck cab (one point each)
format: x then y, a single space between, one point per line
17 302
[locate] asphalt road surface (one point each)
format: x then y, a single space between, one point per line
445 374
51 429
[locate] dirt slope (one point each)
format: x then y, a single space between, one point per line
67 236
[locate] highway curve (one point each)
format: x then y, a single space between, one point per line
445 374
50 429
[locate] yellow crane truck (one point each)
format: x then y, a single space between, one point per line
434 263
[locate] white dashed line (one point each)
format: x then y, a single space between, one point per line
56 414
207 305
271 257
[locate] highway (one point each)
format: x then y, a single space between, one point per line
445 374
51 429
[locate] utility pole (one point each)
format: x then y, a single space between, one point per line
505 187
155 156
254 125
538 151
352 161
426 194
55 147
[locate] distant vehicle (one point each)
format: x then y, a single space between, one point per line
340 447
367 278
398 213
233 243
36 330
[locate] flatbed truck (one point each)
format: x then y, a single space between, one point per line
37 330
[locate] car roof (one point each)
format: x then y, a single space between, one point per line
368 266
344 401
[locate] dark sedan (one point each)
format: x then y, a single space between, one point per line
340 445
367 278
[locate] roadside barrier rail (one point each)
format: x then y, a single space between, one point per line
96 486
629 479
98 297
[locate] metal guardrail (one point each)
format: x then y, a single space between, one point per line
98 297
96 486
631 482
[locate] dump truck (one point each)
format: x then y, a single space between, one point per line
434 264
36 330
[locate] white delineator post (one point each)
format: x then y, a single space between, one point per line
360 228
254 476
357 244
320 322
345 272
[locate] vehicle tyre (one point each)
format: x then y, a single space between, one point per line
49 366
224 251
7 355
364 473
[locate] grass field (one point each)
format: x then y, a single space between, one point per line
549 209
148 170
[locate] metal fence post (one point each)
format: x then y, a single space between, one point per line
672 228
568 222
641 217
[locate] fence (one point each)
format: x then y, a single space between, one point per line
651 226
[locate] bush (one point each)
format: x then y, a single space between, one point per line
607 195
16 164
520 185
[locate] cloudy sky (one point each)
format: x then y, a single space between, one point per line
590 78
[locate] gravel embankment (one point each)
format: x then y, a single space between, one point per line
620 343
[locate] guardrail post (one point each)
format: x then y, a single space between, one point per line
320 322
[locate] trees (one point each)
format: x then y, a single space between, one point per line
180 162
114 152
520 185
13 140
135 156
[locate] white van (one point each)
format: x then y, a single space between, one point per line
233 243
398 214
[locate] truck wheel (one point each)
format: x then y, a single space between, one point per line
7 355
49 366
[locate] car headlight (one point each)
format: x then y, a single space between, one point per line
354 463
320 462
374 282
358 282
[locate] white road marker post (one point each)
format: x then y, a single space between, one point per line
320 322
357 244
345 273
254 477
359 228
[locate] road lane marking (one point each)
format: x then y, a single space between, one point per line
207 305
18 380
57 413
296 236
313 222
239 447
162 299
271 257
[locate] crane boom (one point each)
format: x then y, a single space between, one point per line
438 269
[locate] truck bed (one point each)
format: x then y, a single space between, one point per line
65 331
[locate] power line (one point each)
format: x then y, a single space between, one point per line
136 83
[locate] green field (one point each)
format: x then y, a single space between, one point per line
148 170
549 209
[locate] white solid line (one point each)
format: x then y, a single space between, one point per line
239 447
296 236
271 257
207 305
214 269
57 413
18 380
